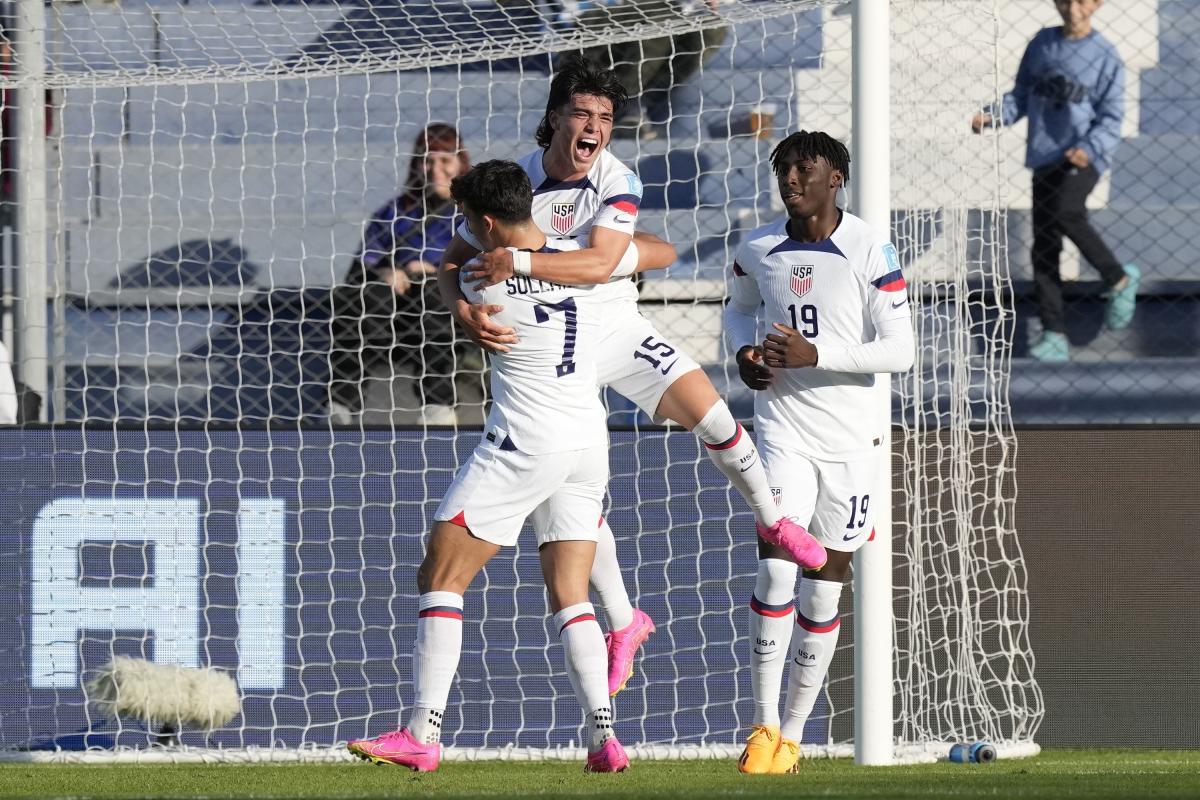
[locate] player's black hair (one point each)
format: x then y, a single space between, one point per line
577 75
497 188
813 144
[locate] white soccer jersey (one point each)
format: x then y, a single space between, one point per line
609 197
839 293
544 393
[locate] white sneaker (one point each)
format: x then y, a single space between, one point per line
433 414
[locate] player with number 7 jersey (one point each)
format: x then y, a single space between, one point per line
544 457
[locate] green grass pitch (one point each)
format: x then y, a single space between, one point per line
1055 774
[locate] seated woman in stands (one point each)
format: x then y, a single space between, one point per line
387 314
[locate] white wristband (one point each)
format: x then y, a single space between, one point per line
628 263
522 262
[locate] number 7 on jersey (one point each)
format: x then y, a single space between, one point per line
542 313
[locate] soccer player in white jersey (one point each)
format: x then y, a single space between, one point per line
544 455
582 191
828 291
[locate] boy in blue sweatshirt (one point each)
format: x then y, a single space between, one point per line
1071 85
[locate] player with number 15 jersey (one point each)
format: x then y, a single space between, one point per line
581 190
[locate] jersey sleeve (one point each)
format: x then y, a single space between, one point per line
887 292
741 312
620 199
887 303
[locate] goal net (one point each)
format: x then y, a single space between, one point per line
203 499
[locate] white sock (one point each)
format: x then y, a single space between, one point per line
435 661
600 729
772 616
607 582
733 451
586 656
813 643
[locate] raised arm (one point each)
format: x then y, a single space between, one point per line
652 252
584 267
1015 104
475 320
612 231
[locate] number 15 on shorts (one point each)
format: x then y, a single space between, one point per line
655 352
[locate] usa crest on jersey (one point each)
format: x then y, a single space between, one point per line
562 217
802 279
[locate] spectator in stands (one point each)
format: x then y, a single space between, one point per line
1071 86
649 68
388 312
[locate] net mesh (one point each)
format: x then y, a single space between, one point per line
215 169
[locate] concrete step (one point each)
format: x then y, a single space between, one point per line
1154 391
1156 239
135 35
1179 32
777 42
1170 102
1157 171
1141 391
1165 325
683 207
1133 27
316 111
268 362
292 215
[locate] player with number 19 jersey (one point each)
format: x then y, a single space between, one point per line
633 358
839 293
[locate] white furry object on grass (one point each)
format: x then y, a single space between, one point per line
165 694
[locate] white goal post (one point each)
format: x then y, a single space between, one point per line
203 188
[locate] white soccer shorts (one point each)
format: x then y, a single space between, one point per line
500 487
639 363
835 500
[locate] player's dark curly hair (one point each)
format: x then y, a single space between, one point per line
577 75
813 144
497 188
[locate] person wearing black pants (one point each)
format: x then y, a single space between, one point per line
1060 195
377 329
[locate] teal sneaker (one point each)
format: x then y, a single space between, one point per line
1052 347
1121 302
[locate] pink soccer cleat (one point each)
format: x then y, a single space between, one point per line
609 758
800 544
399 748
623 646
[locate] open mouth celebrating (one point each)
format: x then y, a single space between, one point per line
586 147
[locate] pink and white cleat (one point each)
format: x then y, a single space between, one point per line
800 544
399 748
623 646
609 758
